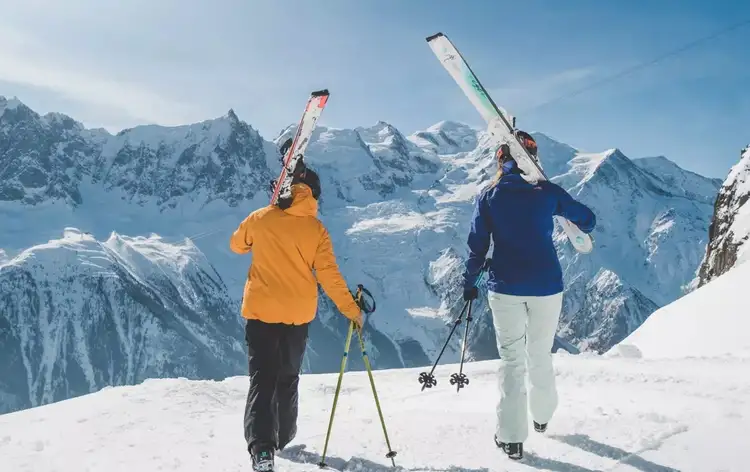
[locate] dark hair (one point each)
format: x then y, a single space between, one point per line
310 178
302 175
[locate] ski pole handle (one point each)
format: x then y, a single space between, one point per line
367 306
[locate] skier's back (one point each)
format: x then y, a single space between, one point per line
525 288
292 252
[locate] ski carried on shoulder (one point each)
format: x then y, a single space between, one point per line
294 148
499 125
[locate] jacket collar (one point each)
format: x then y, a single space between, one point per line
511 167
303 202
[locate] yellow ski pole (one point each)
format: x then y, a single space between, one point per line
322 463
391 453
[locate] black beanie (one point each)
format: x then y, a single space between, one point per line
311 179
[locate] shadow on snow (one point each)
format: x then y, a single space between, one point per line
632 459
299 455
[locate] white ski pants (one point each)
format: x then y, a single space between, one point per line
525 328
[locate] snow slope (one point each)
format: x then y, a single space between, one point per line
709 322
620 415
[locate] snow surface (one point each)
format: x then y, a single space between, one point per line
711 322
620 415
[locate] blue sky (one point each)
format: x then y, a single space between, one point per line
119 64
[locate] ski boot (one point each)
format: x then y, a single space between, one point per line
540 428
262 459
513 450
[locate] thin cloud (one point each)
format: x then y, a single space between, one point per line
529 93
22 63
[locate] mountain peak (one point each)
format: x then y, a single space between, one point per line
21 111
9 103
589 163
447 137
232 116
379 127
450 126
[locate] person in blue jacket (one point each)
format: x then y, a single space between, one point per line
525 288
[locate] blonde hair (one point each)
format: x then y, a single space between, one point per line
499 174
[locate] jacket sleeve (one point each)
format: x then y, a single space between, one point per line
330 278
478 241
241 241
574 211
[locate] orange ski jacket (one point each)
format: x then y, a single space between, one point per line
287 246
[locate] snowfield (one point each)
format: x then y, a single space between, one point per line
647 413
615 415
710 322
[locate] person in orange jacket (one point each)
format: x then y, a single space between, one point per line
292 253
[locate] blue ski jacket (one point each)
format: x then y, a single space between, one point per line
517 216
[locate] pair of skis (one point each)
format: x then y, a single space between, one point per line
293 151
499 125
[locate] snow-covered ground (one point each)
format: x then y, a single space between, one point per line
690 412
710 322
615 414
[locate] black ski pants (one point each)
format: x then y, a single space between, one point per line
275 354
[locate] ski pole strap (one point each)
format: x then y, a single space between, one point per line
365 304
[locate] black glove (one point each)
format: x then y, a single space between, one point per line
471 293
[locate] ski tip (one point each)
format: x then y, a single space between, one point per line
320 93
434 36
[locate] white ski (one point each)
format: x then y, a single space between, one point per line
499 125
314 108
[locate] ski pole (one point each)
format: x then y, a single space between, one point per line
428 380
322 463
367 307
460 379
391 453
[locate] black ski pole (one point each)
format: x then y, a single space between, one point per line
428 380
460 379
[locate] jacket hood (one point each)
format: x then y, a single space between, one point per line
303 202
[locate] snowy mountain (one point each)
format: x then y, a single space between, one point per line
730 227
78 315
50 157
651 237
649 406
397 207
